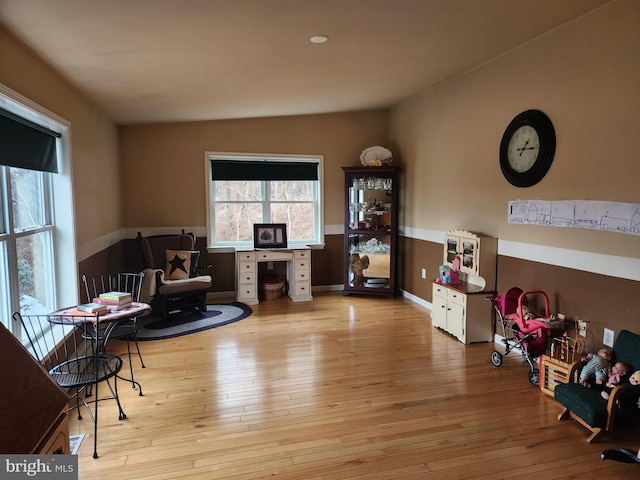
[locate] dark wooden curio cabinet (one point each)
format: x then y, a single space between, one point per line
371 230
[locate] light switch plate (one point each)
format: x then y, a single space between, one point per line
582 328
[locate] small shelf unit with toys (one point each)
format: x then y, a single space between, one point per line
561 365
554 372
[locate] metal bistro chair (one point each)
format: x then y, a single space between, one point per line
60 345
126 329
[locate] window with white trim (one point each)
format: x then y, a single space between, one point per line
244 189
37 248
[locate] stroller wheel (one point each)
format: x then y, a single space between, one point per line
496 358
534 377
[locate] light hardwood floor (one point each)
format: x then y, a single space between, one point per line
337 388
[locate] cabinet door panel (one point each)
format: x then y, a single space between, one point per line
439 312
456 320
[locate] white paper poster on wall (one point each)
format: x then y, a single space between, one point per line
592 214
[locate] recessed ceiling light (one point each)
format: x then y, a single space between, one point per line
319 39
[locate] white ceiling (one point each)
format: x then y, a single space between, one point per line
180 60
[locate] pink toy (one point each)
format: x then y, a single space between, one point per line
522 330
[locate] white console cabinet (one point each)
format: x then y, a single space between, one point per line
461 309
298 273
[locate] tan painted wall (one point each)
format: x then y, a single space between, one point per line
163 165
585 76
94 141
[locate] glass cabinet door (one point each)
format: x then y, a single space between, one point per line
468 255
370 204
369 261
451 249
464 247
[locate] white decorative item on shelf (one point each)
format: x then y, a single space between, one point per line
376 156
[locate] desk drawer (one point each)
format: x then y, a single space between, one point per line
246 256
246 291
302 288
301 275
272 256
246 267
302 254
247 277
303 265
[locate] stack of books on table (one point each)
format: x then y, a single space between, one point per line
114 300
93 308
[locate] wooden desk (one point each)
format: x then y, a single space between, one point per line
298 272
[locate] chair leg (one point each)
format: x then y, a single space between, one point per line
78 403
95 421
133 385
135 340
595 434
114 394
133 381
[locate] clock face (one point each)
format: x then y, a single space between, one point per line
527 148
523 149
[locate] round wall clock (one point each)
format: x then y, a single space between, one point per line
527 148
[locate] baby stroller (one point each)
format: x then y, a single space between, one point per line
522 329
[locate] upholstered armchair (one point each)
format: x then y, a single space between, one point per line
173 279
588 407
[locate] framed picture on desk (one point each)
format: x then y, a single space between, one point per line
269 235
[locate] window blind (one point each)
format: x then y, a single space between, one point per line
222 169
24 144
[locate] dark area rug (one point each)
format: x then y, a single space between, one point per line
185 323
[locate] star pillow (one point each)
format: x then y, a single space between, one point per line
178 264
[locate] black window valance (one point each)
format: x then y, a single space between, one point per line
223 169
24 144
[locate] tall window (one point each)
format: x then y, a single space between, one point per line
27 259
248 189
37 235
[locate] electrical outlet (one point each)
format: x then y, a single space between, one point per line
582 328
424 273
607 338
